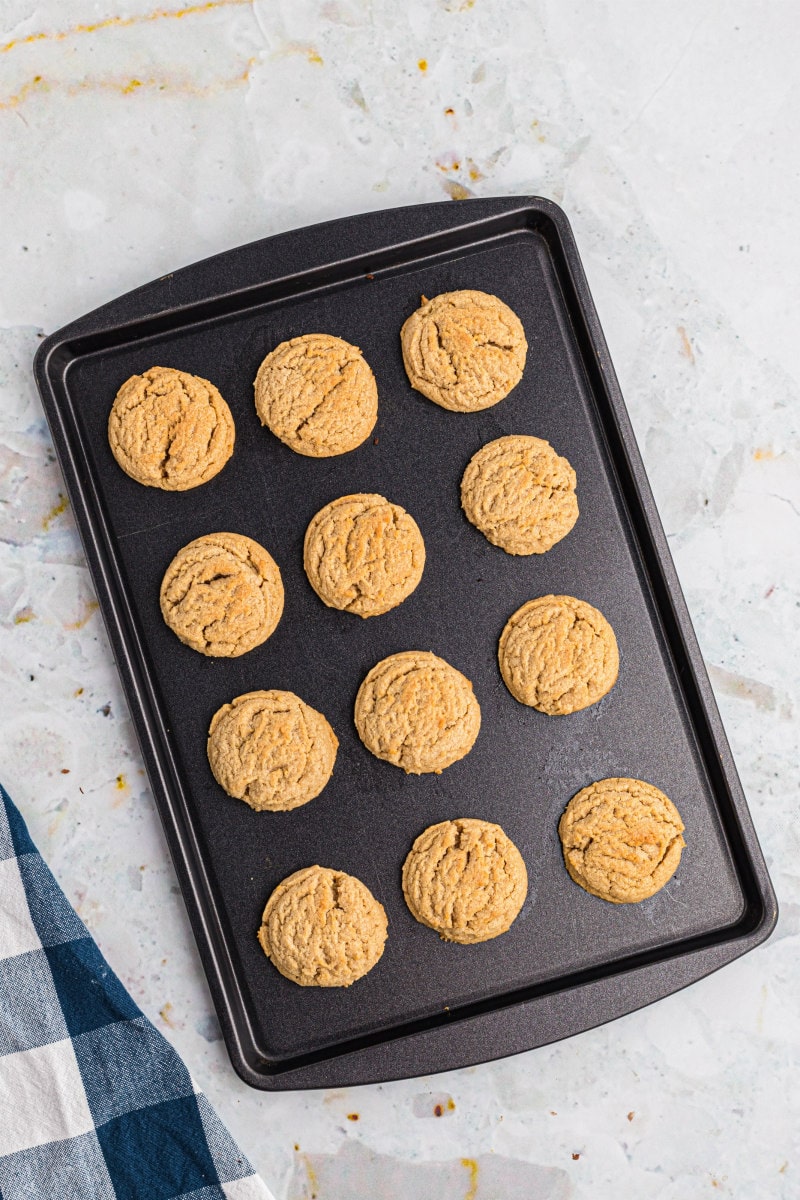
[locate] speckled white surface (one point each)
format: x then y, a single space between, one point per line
133 141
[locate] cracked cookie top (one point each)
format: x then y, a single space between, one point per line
558 655
520 494
466 879
170 430
317 394
323 928
464 350
363 554
271 750
622 839
222 594
417 712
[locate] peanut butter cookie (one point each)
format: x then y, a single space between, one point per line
317 394
621 839
466 879
170 430
222 594
322 928
464 350
363 554
416 711
271 750
558 654
520 494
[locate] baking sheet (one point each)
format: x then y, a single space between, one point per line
218 320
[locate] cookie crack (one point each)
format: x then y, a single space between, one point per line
324 398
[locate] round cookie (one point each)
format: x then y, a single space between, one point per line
520 494
222 594
271 750
416 711
363 554
621 839
558 654
170 430
317 394
466 879
464 350
322 928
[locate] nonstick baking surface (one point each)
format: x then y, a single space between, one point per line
525 766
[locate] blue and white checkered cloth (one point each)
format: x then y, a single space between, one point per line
94 1103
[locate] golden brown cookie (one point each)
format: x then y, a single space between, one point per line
222 594
466 879
416 711
317 394
558 654
170 430
464 350
621 839
271 750
322 928
520 494
363 554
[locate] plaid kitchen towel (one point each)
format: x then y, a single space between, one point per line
94 1103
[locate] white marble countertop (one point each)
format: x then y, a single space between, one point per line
136 137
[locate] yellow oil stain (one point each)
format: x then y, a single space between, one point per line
166 1014
423 64
451 1104
686 345
456 190
89 608
122 786
162 84
353 1117
782 1170
24 615
33 85
55 511
311 55
475 173
537 129
170 14
78 692
313 1182
471 1165
764 454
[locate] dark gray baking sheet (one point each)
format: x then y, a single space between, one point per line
569 960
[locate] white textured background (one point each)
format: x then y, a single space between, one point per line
133 141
